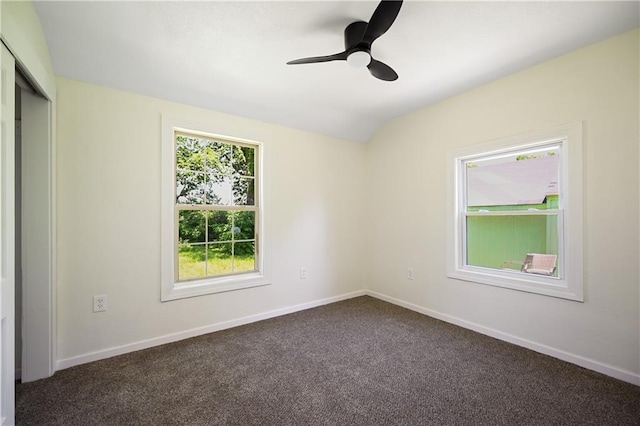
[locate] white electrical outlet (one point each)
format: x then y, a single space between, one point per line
303 273
410 273
99 303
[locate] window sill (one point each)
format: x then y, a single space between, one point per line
213 285
530 283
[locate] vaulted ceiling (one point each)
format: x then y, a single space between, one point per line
231 56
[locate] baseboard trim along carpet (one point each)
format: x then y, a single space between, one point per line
174 337
590 364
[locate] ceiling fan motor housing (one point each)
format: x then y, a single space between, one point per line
359 53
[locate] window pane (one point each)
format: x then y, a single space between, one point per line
503 242
243 160
219 226
245 258
190 187
244 192
219 190
189 154
220 259
244 226
191 226
218 158
517 181
191 261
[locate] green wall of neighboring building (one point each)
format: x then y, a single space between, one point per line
504 241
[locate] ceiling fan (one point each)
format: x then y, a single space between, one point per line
358 37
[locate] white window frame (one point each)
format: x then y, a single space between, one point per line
569 283
171 288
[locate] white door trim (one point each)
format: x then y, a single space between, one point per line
38 290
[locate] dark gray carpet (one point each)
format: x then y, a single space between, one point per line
357 362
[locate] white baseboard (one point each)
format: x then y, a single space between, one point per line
590 364
626 376
174 337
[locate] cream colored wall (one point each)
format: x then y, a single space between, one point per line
108 198
407 177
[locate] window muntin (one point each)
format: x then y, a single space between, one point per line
216 207
511 207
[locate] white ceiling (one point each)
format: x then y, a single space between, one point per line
230 56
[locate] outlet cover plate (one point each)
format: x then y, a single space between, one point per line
99 303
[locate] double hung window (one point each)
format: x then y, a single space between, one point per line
512 208
216 207
516 213
212 213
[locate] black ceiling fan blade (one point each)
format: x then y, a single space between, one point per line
382 71
336 57
381 20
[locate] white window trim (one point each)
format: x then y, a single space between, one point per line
170 288
570 284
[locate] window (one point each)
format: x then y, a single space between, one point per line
516 213
510 208
212 213
216 207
